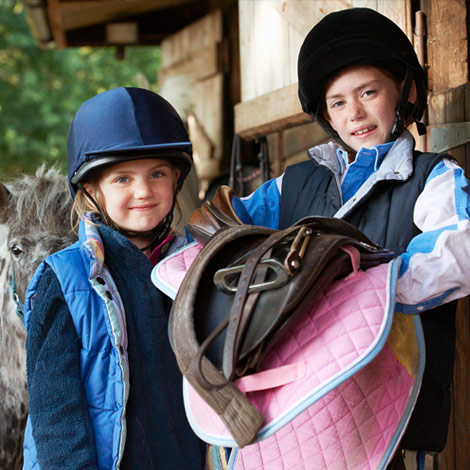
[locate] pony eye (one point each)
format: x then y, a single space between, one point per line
16 250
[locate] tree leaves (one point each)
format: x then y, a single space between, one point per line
40 90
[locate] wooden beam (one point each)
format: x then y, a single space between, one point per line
272 112
443 137
55 19
78 14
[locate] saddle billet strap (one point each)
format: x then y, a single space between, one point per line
234 409
238 321
197 361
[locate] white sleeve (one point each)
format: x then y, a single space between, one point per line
436 265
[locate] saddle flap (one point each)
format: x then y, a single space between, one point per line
213 215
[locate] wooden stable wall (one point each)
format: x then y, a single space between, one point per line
449 130
447 112
193 56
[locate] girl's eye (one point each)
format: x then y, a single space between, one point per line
157 174
337 104
122 179
370 92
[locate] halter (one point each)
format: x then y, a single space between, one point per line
16 299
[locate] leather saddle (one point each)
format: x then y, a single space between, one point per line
247 287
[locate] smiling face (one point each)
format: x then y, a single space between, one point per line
137 195
360 105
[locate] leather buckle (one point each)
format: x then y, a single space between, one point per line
295 255
224 278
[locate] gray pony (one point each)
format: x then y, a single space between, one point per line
34 222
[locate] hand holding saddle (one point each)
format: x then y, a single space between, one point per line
246 288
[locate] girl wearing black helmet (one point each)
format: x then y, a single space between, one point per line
360 79
105 390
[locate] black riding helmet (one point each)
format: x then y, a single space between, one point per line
358 36
126 124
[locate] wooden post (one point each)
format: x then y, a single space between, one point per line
419 42
277 161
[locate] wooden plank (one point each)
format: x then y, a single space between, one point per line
246 11
78 14
398 12
455 112
447 44
304 14
203 64
466 163
300 138
273 63
462 387
208 109
366 4
443 137
269 113
55 19
192 39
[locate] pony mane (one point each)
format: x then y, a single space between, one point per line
44 198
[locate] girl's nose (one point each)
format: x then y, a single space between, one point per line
142 190
356 111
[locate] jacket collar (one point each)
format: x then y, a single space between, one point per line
396 165
91 244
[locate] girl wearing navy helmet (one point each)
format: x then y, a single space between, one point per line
360 79
105 390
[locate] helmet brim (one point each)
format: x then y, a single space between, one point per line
176 154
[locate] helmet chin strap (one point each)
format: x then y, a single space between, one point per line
158 234
402 108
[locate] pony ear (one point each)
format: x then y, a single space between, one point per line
5 203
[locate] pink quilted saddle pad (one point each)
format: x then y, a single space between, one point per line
333 393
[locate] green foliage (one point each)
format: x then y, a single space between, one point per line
40 90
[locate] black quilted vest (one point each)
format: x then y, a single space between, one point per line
386 217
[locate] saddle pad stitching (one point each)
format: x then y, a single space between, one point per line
366 398
414 392
183 258
340 377
355 383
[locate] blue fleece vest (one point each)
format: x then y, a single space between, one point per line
95 307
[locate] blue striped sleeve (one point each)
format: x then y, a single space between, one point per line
431 272
262 206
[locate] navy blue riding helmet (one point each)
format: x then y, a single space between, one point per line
125 124
358 36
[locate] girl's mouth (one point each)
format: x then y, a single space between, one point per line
363 131
143 208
